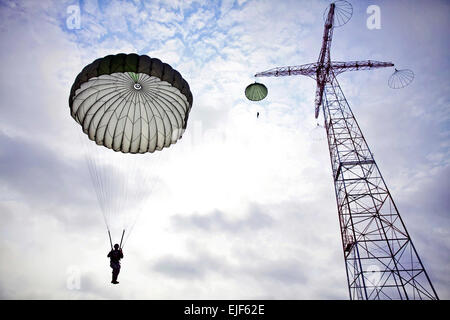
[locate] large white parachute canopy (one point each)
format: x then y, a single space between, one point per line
133 105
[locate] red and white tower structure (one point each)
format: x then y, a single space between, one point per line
381 260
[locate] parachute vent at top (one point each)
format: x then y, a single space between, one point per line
131 103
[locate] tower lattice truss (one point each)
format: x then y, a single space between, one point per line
381 260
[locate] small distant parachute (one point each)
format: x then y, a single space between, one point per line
317 133
134 105
400 78
256 91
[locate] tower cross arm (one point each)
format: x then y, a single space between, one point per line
310 69
304 70
339 67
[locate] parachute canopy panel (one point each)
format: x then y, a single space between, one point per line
131 103
256 91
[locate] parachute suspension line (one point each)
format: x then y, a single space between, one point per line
148 185
133 218
110 241
96 181
99 169
106 178
123 232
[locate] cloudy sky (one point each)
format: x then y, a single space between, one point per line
240 208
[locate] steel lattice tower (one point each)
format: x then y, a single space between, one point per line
381 260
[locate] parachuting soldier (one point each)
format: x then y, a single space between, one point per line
131 104
115 256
